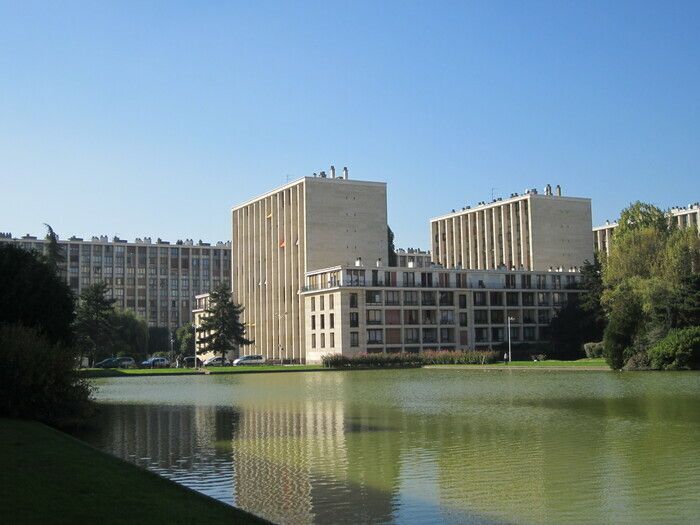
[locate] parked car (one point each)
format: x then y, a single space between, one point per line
125 362
217 361
249 360
155 362
110 362
187 362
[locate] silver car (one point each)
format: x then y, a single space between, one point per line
249 360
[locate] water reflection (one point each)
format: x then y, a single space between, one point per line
416 446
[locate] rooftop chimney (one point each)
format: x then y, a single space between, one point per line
345 172
358 261
332 172
558 190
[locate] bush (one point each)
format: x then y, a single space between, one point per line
638 361
679 350
409 360
38 379
593 350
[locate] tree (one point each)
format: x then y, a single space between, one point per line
687 301
590 299
54 254
640 215
637 253
185 340
158 339
391 246
32 295
129 334
623 322
93 320
568 330
221 328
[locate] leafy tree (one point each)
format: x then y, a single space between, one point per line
54 253
185 340
637 253
129 334
221 328
391 246
568 330
31 294
625 314
591 299
93 320
687 301
640 215
679 350
158 339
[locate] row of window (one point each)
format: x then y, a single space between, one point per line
322 338
322 321
394 336
322 302
447 317
444 298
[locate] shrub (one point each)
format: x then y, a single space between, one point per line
638 361
38 379
409 360
593 349
679 350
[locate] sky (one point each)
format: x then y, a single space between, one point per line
155 118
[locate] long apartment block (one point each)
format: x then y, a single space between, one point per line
314 222
531 231
678 217
156 280
353 309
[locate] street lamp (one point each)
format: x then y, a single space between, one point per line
509 352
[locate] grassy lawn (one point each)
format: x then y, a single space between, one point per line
549 363
50 477
126 372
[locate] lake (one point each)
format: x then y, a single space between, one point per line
421 445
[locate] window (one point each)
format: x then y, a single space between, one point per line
481 334
313 304
463 319
528 299
481 317
332 342
447 335
331 321
313 340
354 339
497 334
447 317
429 335
479 298
462 300
497 317
323 340
330 302
410 317
541 282
321 302
354 319
429 317
323 322
409 279
428 298
393 336
313 322
542 299
412 335
528 316
373 297
393 298
526 281
512 298
510 281
529 333
392 317
375 337
374 317
543 316
353 300
496 299
556 282
447 298
410 298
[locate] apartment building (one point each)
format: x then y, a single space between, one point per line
531 231
678 217
413 257
314 222
158 281
354 309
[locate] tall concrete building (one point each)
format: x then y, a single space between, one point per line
156 280
532 231
678 217
312 223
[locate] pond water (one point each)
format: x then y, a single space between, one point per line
420 446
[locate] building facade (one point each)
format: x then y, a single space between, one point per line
353 309
530 232
413 258
688 217
158 281
314 222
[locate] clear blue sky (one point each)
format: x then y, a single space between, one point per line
154 118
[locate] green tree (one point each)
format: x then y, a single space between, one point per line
591 298
54 254
32 295
129 335
687 301
158 339
640 215
636 253
93 321
391 246
221 328
184 340
623 322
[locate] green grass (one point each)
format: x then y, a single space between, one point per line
135 372
50 477
549 363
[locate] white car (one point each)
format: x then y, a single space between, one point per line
216 361
249 360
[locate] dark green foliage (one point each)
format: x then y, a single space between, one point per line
687 302
221 326
158 339
391 246
31 294
590 300
38 378
679 350
184 340
638 361
569 328
129 336
593 350
471 357
622 327
640 215
54 254
93 323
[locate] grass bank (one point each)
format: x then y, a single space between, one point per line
549 364
136 372
50 477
